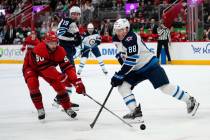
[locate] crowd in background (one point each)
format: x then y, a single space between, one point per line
143 21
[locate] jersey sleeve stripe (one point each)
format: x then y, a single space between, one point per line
134 56
131 59
130 63
63 28
61 33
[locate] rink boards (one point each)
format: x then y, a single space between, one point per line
186 53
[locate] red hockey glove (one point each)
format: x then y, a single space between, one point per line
80 88
23 48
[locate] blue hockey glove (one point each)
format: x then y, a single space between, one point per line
117 80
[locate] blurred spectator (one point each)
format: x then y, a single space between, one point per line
145 17
106 27
17 40
53 4
208 35
143 34
153 26
1 36
173 34
208 21
18 8
106 38
150 36
10 35
2 20
44 29
95 4
183 37
119 4
1 6
87 11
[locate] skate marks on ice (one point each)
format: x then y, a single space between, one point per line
165 118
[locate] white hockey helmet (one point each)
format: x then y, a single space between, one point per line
90 28
75 9
121 23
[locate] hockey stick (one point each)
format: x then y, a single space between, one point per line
96 118
80 54
109 111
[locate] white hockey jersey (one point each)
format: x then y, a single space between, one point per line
133 53
90 40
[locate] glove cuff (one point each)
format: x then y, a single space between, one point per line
119 76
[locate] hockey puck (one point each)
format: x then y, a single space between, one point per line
142 126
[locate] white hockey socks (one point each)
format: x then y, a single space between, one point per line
101 63
128 97
176 92
81 65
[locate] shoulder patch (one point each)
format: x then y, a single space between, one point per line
129 38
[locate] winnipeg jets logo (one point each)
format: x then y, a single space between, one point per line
91 42
129 38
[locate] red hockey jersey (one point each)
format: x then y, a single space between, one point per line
40 58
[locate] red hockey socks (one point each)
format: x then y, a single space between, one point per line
64 100
37 100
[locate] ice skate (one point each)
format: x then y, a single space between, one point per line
74 106
105 71
41 114
135 116
79 72
71 113
192 106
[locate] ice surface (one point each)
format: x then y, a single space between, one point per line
165 117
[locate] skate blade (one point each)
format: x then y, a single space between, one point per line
73 108
135 121
42 121
195 109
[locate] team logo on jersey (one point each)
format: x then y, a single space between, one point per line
91 42
129 38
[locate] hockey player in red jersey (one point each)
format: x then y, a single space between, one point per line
30 41
41 61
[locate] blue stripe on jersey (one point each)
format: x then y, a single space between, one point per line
182 94
63 28
61 33
131 59
130 63
130 101
134 56
176 91
128 96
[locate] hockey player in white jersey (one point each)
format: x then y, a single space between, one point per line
91 40
139 64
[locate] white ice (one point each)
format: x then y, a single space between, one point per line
165 117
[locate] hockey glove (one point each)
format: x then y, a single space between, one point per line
80 88
23 48
117 80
